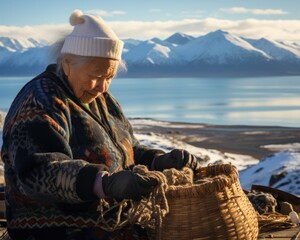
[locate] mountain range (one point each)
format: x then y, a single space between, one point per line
218 54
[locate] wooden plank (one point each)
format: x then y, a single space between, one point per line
287 234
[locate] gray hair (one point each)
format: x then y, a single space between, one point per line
56 52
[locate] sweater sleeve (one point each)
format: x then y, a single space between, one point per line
37 142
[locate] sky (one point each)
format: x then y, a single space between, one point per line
48 20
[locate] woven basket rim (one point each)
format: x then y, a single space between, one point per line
222 176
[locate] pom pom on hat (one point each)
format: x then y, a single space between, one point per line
76 17
92 37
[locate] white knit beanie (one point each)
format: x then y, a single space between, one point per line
92 37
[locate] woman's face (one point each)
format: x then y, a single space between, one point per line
90 79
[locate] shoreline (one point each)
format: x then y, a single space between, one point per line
236 139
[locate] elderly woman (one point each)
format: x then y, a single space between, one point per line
67 144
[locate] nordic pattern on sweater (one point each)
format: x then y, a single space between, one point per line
53 147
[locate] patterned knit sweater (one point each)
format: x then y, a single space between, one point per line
53 147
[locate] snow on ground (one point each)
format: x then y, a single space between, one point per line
2 117
282 171
167 143
283 147
208 155
142 123
255 132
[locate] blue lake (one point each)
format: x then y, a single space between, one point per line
228 101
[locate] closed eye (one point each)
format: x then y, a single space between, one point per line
107 78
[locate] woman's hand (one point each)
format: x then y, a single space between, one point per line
178 159
127 185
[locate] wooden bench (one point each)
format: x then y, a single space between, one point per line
287 234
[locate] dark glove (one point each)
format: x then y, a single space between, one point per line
127 185
178 159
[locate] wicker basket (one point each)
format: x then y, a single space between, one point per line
213 208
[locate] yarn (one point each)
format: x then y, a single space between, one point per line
262 202
149 211
273 221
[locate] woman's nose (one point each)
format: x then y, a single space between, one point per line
101 86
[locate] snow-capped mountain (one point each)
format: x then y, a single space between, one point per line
220 48
130 43
276 50
154 51
20 45
179 38
281 171
291 44
23 56
217 53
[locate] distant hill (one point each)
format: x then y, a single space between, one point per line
280 170
217 54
